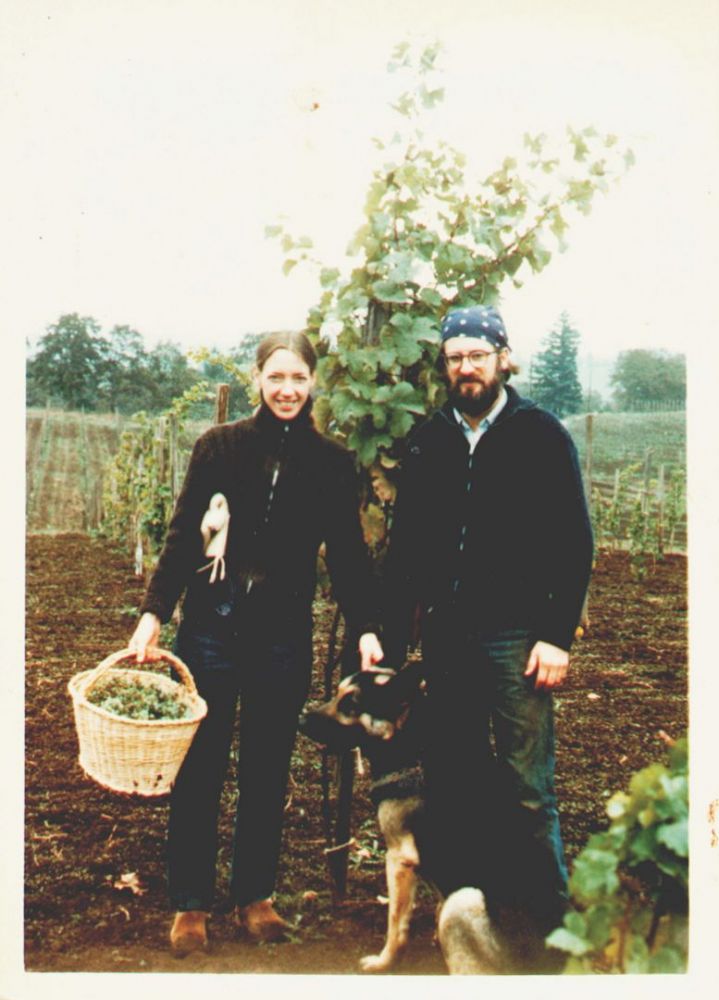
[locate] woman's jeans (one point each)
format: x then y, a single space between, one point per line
271 680
496 824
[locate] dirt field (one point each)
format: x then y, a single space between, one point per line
628 682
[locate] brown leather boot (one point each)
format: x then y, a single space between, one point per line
261 921
189 932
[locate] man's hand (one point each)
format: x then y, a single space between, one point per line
548 663
370 650
145 638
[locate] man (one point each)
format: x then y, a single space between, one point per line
490 555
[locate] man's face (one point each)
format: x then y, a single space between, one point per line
473 370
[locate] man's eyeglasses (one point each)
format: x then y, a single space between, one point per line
477 359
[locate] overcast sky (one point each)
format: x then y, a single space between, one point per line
148 144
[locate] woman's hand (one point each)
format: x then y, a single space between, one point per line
145 638
370 650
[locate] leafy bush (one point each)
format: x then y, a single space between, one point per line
134 700
630 882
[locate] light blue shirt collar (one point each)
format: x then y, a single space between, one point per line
473 435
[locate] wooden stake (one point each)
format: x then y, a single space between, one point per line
174 471
588 458
222 401
660 508
647 470
160 449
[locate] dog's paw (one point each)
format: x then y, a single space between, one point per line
376 963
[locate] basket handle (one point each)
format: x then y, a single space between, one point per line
124 654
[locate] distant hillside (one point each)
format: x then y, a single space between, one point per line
621 439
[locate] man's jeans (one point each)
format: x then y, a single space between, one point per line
271 683
496 824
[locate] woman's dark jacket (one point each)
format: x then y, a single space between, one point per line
502 537
289 490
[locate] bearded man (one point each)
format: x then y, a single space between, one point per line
490 555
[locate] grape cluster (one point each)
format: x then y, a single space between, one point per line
133 700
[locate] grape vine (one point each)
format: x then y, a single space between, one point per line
629 883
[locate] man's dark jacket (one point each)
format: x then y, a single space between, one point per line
501 537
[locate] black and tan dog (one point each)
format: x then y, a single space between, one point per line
381 713
384 713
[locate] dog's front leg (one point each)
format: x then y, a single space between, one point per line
402 862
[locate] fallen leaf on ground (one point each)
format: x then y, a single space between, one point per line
129 881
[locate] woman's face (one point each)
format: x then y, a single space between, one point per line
285 383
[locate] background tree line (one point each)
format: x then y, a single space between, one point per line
641 378
77 367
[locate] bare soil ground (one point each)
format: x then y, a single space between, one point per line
628 681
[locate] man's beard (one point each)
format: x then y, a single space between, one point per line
476 404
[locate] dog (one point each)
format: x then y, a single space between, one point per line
384 714
379 712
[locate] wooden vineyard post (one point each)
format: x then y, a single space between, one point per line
339 850
139 553
647 471
337 834
95 504
139 546
660 510
174 471
330 664
615 509
588 460
339 856
222 402
160 449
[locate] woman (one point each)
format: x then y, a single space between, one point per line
260 496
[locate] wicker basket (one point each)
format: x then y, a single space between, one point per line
134 756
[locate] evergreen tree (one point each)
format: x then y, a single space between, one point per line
555 380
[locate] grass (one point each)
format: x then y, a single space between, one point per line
622 439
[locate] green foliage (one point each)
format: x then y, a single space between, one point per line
232 367
629 884
674 509
433 238
138 493
634 517
642 378
555 379
639 538
137 500
68 364
133 699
